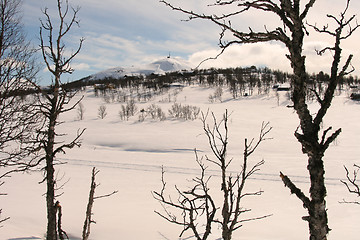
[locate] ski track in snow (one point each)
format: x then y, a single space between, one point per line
187 171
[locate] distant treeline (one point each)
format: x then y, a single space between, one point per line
240 81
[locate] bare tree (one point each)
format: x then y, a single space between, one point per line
57 101
102 113
88 219
198 203
314 141
80 111
17 116
233 187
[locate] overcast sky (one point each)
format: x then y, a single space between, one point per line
131 32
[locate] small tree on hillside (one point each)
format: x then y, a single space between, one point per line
102 113
291 32
198 205
80 111
56 101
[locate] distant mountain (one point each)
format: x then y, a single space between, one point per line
158 67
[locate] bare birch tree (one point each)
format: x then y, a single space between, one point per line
292 31
18 117
57 101
198 204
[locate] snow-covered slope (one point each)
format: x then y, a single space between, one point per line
158 67
130 154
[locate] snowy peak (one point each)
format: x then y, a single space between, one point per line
171 65
161 66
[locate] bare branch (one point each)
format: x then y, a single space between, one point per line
241 37
351 182
194 203
295 190
265 129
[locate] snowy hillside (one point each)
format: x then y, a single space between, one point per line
130 152
158 67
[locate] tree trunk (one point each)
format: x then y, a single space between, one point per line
226 234
88 220
50 176
50 197
317 219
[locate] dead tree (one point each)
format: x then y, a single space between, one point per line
18 117
88 218
55 102
314 141
232 187
62 233
197 204
351 183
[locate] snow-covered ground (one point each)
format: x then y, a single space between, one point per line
129 155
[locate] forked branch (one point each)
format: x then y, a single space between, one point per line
352 183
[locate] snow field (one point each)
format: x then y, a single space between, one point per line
129 155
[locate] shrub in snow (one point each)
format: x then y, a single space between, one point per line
121 97
185 112
80 111
142 115
128 110
156 112
102 112
217 96
106 98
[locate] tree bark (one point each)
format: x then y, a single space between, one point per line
88 219
50 157
51 209
50 181
318 221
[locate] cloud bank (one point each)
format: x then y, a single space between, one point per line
126 33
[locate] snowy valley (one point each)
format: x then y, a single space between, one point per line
129 151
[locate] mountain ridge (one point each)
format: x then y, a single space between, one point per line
160 67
